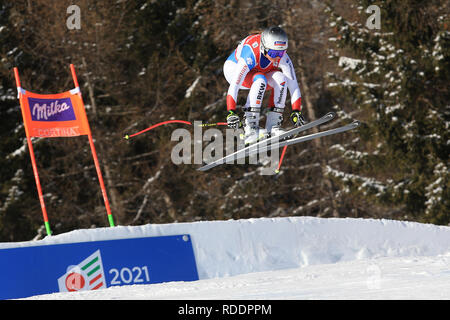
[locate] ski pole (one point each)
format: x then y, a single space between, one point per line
281 159
155 126
213 124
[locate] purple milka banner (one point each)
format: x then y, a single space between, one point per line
51 109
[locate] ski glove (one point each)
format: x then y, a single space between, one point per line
297 119
233 120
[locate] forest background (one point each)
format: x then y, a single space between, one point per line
385 63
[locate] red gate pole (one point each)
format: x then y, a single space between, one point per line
94 154
33 159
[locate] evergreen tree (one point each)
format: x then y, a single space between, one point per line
17 182
395 80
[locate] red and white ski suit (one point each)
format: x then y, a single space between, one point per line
247 68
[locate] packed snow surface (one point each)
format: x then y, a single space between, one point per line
379 278
291 258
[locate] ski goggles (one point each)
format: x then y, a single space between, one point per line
275 53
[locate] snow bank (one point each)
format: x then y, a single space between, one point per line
228 248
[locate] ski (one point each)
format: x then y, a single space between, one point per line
292 141
291 132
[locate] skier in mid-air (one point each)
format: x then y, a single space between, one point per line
260 63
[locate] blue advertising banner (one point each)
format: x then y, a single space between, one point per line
29 271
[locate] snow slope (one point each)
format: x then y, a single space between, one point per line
294 257
379 278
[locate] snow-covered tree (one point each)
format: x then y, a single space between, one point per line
395 79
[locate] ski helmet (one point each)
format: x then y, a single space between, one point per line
274 41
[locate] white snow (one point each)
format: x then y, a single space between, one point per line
346 62
382 278
291 258
191 88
